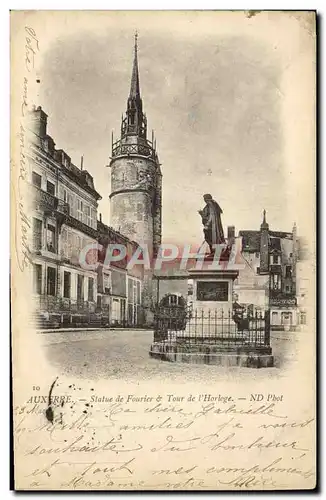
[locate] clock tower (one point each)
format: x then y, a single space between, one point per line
136 180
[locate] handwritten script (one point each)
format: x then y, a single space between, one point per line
20 162
128 444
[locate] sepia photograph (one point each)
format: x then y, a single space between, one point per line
163 249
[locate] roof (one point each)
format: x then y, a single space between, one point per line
250 241
134 86
83 178
275 244
115 236
281 234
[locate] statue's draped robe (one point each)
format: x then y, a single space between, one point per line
211 217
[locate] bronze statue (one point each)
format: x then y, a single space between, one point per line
211 219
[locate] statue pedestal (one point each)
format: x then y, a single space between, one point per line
208 334
213 289
212 302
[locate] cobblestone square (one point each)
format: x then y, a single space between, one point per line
123 354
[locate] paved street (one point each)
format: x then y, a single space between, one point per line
124 354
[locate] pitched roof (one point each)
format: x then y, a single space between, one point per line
250 241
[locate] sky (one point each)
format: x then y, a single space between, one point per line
215 103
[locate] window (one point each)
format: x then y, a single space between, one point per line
91 289
37 234
36 179
88 219
138 292
275 282
286 318
116 310
50 187
51 281
275 259
79 209
66 284
80 287
173 300
37 278
274 318
93 218
288 272
65 195
70 201
303 318
287 289
50 238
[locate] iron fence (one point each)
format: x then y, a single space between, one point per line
231 328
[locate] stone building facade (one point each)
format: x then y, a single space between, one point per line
64 220
136 183
63 204
119 288
271 259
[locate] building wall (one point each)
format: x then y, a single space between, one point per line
250 287
59 282
132 211
131 214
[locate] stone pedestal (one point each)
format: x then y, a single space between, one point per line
213 289
212 301
210 335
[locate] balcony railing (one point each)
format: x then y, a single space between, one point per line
146 149
77 224
47 201
278 298
63 207
275 268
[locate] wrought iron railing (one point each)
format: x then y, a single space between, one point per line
52 303
232 328
146 149
48 201
44 199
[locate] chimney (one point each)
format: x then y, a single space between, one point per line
100 217
231 233
81 162
39 122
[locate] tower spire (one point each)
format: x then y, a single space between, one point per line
264 224
135 122
134 86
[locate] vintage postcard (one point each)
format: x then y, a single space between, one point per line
163 250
